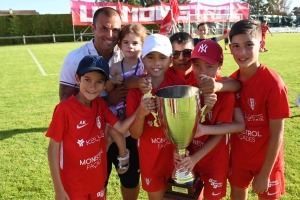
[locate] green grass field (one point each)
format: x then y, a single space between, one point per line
27 100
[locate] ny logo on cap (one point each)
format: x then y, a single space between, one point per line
202 48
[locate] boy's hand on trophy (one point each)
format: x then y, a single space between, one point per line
187 164
207 84
146 106
145 85
210 99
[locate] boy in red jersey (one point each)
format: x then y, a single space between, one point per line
77 148
257 152
155 149
264 29
209 154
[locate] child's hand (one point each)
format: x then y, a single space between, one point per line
147 106
178 158
117 79
207 84
187 164
210 99
144 84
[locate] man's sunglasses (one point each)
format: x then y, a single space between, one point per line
185 53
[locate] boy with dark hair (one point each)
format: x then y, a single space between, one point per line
77 147
257 152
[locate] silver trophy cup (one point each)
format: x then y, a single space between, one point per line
179 113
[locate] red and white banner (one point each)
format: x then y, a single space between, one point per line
82 12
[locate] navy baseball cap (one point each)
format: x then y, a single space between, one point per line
93 63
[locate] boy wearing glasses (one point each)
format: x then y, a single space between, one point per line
183 45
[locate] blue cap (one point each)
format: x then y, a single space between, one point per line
93 63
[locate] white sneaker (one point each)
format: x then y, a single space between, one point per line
298 100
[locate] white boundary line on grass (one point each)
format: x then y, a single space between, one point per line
37 63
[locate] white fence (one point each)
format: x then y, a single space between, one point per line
285 29
53 36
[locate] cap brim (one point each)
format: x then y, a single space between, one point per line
205 58
91 69
157 50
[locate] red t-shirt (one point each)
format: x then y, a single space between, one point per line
264 30
155 149
189 80
262 97
80 130
217 160
226 31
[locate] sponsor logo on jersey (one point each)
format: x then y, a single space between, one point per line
95 139
92 162
80 142
197 144
273 183
251 103
150 123
81 124
215 194
249 136
161 142
254 118
270 194
214 183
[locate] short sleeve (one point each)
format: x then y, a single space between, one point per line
59 124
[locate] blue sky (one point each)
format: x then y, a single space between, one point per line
63 6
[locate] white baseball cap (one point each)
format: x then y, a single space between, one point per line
157 42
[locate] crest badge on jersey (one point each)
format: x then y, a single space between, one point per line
251 103
98 121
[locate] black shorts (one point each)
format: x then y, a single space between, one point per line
131 178
226 40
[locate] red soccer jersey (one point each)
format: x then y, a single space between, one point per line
81 133
189 80
217 160
155 149
262 97
264 30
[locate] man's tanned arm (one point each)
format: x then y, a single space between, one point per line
66 91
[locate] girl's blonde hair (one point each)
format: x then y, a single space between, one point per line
138 29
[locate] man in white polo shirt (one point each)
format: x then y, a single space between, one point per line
106 29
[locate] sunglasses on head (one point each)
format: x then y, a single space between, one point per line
186 53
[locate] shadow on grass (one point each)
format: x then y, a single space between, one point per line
295 116
9 133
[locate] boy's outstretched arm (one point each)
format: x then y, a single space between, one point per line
261 180
60 192
143 110
223 36
237 125
209 85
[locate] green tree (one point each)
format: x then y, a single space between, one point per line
268 7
